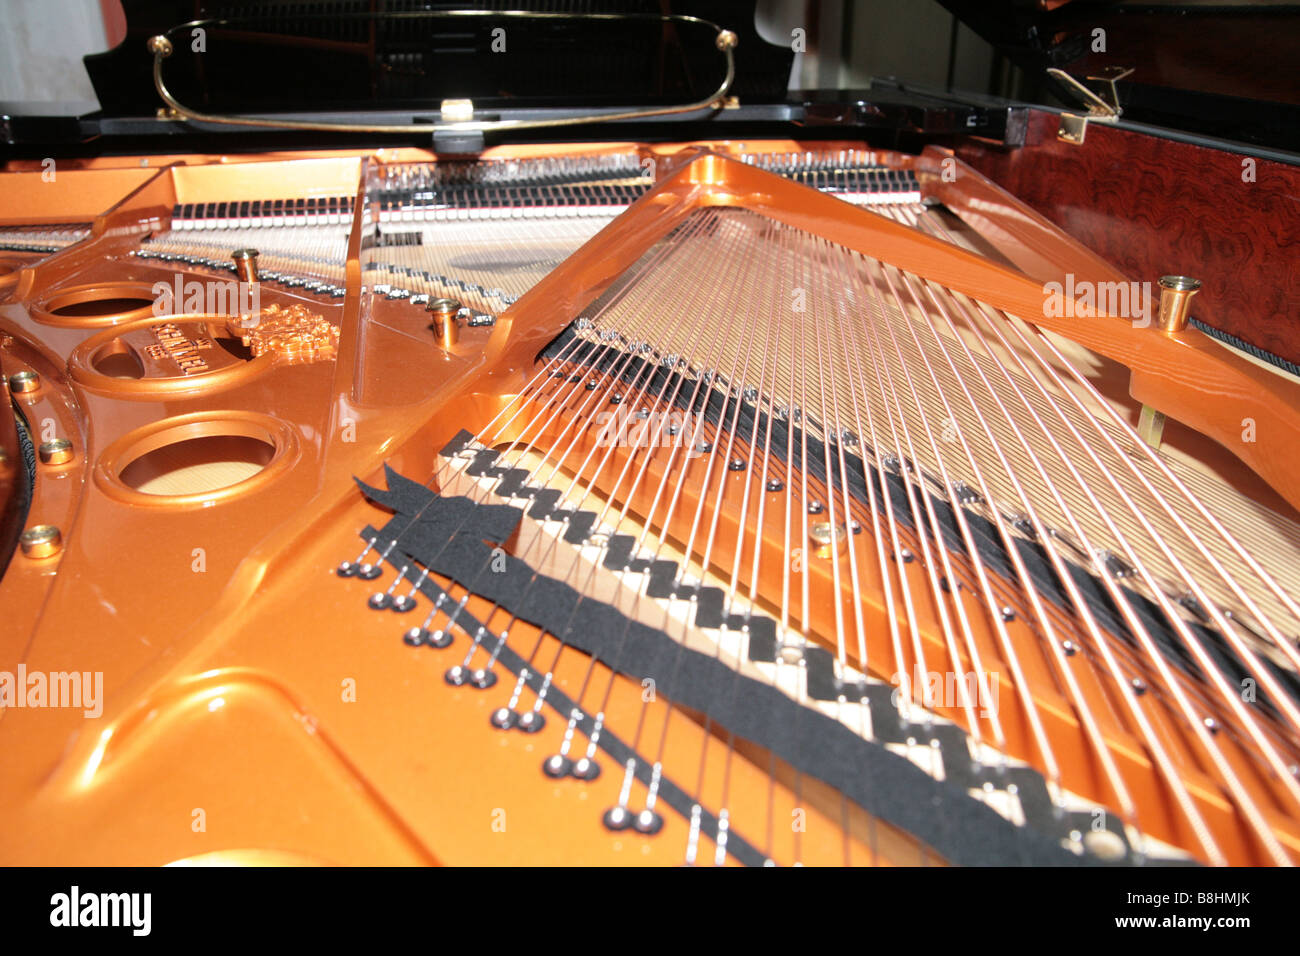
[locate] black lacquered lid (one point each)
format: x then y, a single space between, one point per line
345 56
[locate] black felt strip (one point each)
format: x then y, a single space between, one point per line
940 813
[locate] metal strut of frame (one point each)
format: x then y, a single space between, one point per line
725 40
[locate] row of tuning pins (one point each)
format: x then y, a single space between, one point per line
370 570
540 170
583 767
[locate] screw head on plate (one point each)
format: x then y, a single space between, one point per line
21 383
56 452
41 541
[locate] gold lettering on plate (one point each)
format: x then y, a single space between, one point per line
184 351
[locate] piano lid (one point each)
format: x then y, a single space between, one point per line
1209 70
385 74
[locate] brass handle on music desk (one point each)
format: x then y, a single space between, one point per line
725 40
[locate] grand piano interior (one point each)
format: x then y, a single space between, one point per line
633 434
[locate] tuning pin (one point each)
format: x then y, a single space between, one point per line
384 599
648 821
369 571
560 765
507 717
351 569
406 602
417 636
619 817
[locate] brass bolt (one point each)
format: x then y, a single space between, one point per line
57 452
828 538
21 383
245 265
726 40
444 321
160 44
1175 296
41 541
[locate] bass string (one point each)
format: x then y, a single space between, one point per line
1172 684
943 573
708 376
546 373
804 363
722 457
1101 641
992 611
600 523
833 315
1080 605
1032 346
1226 695
593 398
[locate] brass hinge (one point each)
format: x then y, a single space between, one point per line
1073 127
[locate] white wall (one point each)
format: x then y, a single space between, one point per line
41 46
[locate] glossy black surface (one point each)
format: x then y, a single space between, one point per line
342 56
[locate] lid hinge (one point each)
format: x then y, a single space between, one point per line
1074 127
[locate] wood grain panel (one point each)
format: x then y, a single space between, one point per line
1155 206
